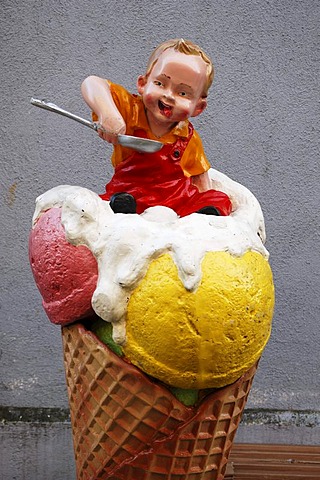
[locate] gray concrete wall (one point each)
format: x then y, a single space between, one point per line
261 128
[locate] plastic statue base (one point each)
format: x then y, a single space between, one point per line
128 427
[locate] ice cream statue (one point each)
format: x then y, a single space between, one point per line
161 284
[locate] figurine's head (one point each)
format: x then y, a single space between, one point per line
176 83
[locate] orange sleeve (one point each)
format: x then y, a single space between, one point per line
194 160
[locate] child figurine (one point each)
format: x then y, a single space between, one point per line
174 88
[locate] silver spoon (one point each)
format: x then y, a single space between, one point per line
136 143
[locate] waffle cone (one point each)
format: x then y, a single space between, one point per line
126 427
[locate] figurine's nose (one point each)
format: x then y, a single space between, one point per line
168 96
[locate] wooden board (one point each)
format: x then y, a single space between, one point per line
274 462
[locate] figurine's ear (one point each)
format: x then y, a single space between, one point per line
141 82
201 105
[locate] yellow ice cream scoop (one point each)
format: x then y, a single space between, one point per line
206 338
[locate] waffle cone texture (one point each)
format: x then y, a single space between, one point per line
127 427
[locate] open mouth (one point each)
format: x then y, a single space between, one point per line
166 110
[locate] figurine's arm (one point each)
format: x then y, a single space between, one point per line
96 93
202 182
195 164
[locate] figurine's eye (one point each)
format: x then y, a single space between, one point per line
185 91
157 83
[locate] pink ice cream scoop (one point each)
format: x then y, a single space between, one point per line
66 275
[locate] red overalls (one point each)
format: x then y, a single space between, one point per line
158 179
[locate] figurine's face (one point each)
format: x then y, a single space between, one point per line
173 90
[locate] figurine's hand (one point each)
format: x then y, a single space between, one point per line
202 182
110 128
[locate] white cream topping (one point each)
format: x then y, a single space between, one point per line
125 244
